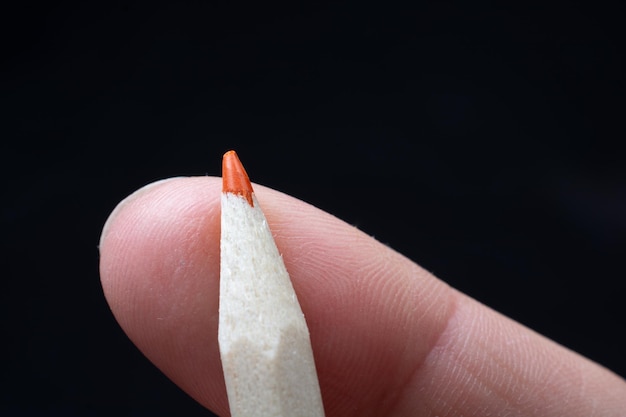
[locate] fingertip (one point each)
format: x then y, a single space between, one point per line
159 269
151 225
362 301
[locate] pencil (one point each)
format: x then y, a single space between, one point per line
263 337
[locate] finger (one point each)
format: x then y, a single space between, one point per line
388 338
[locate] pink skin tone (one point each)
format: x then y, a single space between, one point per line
389 338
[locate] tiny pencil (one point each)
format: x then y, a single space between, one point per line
263 337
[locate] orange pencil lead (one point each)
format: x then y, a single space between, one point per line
234 177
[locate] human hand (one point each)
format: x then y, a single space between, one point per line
389 338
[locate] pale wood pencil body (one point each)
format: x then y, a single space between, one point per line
263 337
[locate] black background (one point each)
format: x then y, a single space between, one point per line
484 141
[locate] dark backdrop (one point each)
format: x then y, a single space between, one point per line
482 141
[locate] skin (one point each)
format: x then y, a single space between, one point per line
389 338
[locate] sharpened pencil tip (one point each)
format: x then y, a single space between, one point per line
234 177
